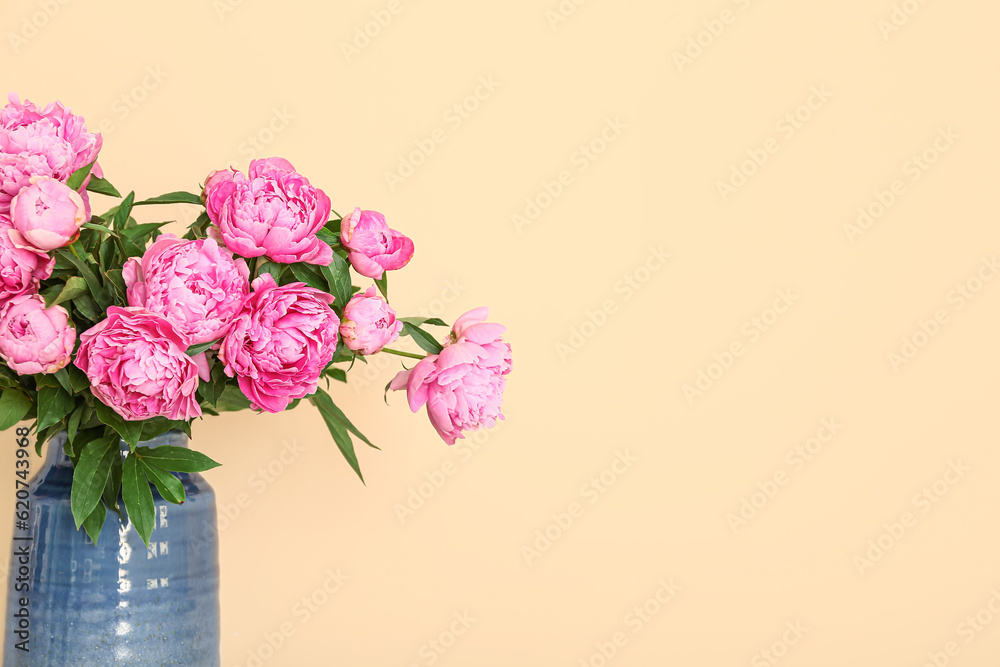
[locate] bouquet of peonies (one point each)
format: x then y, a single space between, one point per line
251 309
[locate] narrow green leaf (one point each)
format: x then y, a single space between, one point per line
418 321
310 275
113 488
426 341
53 404
88 308
77 379
74 287
338 278
338 374
129 431
73 425
212 390
124 211
138 498
95 522
141 233
383 285
117 282
172 198
198 349
102 187
91 475
77 178
100 228
340 435
14 405
101 295
339 415
170 488
176 459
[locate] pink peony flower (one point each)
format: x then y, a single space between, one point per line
137 366
22 268
369 323
196 285
273 211
47 214
42 142
372 247
463 386
33 338
280 344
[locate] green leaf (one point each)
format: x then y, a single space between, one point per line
417 321
157 426
338 374
232 399
172 198
91 475
310 275
62 375
426 341
198 349
124 211
88 308
138 498
170 488
383 285
78 380
129 431
116 281
339 433
95 522
113 488
96 288
53 404
73 425
100 228
338 278
83 438
77 178
212 390
14 405
74 287
141 233
102 187
273 268
176 459
338 414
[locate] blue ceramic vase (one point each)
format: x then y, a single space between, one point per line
119 602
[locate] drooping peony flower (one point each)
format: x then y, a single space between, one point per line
280 343
197 285
21 268
272 212
137 366
463 385
47 214
42 142
369 324
33 338
372 247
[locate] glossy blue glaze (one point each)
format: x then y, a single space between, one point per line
117 603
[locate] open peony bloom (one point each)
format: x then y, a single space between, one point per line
47 214
137 365
369 323
33 338
42 142
372 247
22 268
273 211
281 342
196 285
462 386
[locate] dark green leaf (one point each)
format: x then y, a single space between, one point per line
141 233
273 268
327 404
310 275
117 282
96 288
198 349
212 390
138 498
113 488
338 278
124 211
77 178
102 187
426 341
14 405
232 399
100 228
95 522
176 459
338 374
74 287
53 404
88 308
129 431
383 285
78 379
418 321
170 488
73 425
340 435
172 198
91 475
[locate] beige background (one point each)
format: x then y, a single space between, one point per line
183 86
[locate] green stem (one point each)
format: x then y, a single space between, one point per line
399 353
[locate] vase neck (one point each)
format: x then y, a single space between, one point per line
56 455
